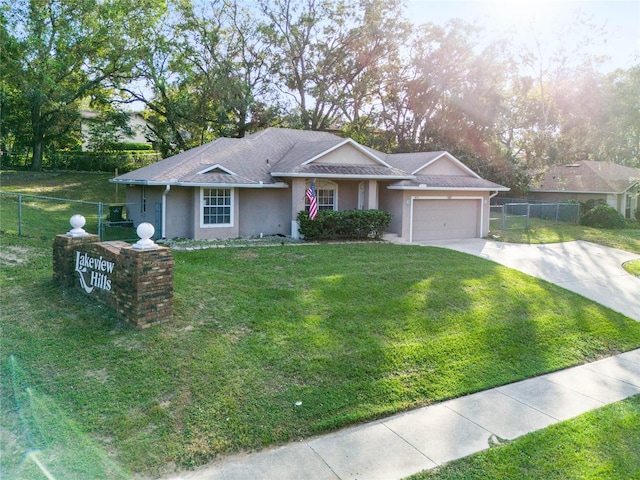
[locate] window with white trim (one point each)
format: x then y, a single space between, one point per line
326 195
217 207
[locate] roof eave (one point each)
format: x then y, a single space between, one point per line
236 185
135 182
201 184
582 192
458 189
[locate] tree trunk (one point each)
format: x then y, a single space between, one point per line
38 137
38 147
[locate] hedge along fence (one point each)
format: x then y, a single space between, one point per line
603 216
107 161
345 225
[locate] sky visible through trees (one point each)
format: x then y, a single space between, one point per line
524 20
508 88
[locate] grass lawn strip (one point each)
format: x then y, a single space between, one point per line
633 267
543 231
353 332
604 443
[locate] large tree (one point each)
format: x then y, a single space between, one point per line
13 110
446 93
557 100
68 51
621 141
328 56
204 75
300 35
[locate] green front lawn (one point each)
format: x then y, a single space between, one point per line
267 345
270 345
542 231
602 444
87 186
41 218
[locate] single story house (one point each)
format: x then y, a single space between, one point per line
615 184
252 186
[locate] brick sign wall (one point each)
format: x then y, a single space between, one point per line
136 283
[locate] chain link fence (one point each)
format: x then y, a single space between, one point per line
518 215
43 217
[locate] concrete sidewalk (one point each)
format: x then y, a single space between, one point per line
422 439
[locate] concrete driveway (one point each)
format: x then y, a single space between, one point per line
591 270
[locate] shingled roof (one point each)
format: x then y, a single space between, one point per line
249 160
265 158
588 177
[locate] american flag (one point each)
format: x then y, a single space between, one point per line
313 202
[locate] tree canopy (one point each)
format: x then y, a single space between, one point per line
205 69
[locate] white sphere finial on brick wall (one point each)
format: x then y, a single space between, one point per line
145 231
77 222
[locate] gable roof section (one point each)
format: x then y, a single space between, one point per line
217 168
588 177
369 154
417 162
428 173
306 160
301 153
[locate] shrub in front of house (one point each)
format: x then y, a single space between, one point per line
603 216
345 225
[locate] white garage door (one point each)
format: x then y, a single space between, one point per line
445 219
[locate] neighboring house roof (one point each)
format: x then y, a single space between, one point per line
588 177
264 159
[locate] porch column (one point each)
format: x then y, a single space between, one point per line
297 204
372 195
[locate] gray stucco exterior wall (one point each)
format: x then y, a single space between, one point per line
143 205
391 201
347 194
264 211
179 213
